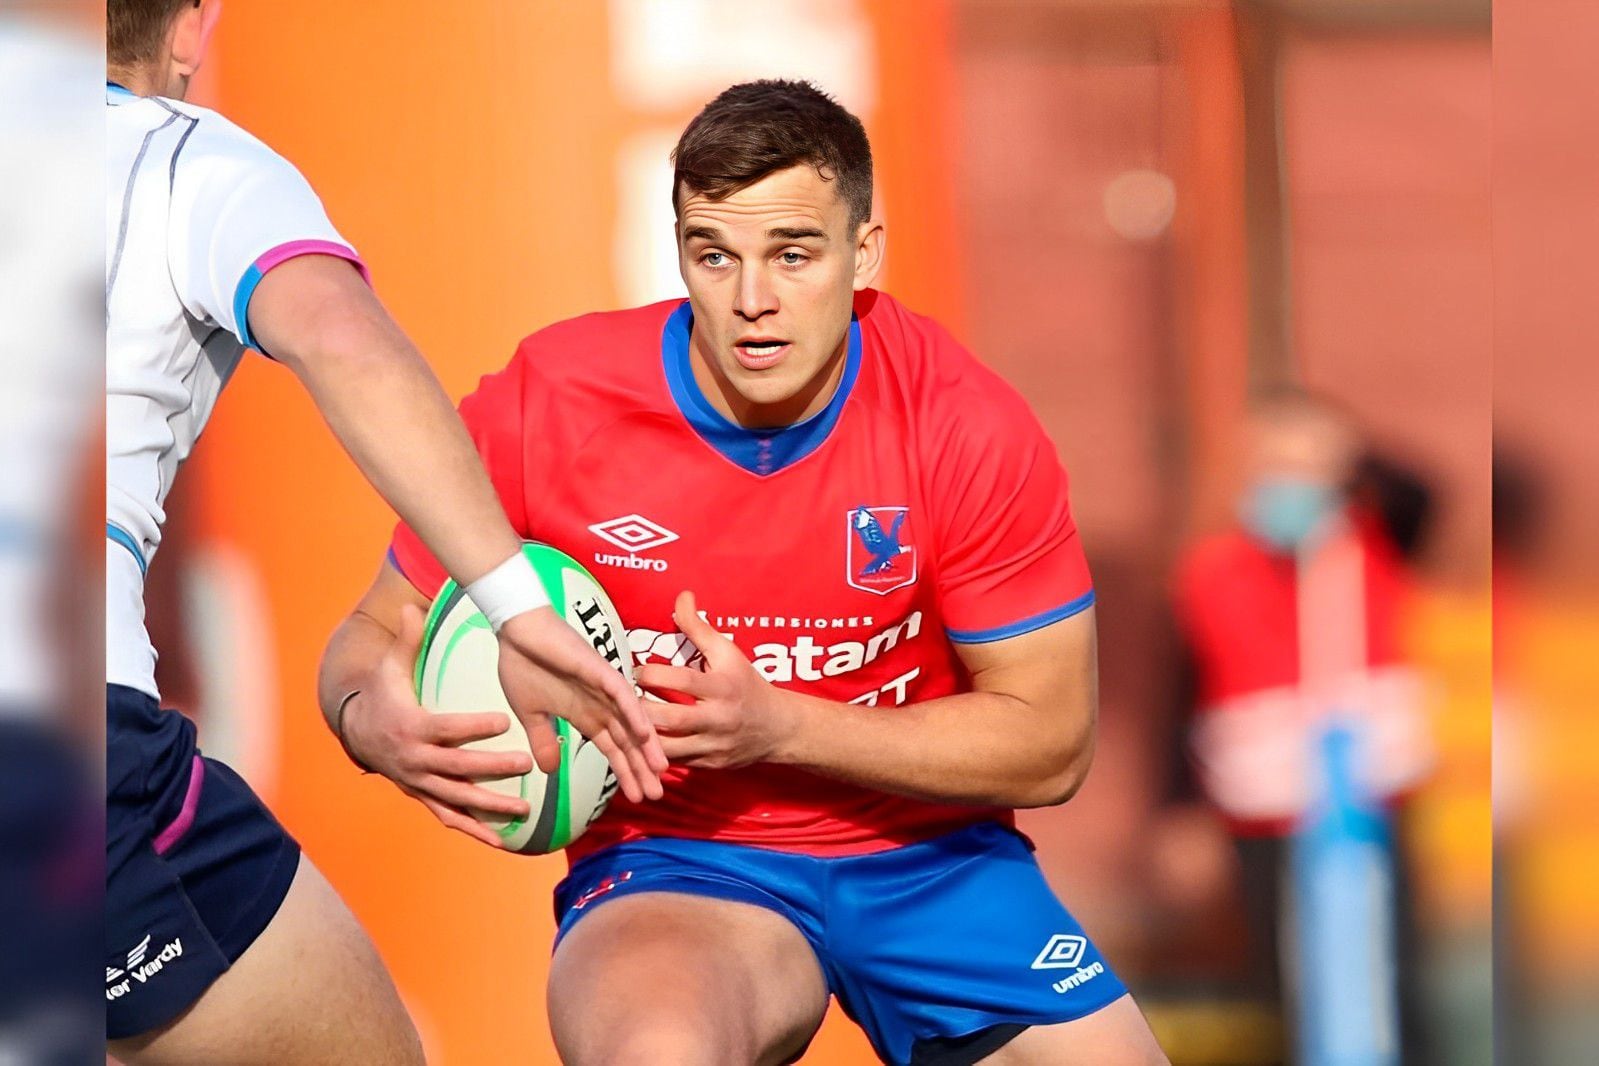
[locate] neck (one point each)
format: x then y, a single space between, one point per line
810 400
143 81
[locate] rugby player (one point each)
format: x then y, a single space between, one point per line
844 552
224 944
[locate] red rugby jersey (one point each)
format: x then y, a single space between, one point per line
846 555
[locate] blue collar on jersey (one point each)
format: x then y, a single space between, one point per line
115 90
760 451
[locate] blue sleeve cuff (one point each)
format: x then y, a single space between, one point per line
1025 625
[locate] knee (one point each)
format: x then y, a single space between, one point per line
656 1038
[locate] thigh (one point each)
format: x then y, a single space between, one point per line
309 989
673 978
1116 1035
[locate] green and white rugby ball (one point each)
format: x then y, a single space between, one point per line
457 670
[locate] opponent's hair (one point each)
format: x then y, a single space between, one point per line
135 29
760 127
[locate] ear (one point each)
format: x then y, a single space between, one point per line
191 35
870 246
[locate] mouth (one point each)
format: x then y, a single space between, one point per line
760 353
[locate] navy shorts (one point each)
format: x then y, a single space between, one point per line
942 950
196 866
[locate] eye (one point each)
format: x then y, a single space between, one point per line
792 258
714 259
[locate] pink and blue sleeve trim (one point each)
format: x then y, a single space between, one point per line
275 257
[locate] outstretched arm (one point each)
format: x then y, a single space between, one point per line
316 315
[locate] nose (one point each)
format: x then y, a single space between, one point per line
756 297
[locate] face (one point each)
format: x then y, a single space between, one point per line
1301 445
1299 460
771 273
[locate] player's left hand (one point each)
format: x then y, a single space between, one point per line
737 717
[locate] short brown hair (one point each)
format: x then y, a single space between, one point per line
760 127
135 29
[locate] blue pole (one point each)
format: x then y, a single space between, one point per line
1343 917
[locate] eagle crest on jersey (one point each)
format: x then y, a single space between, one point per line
887 564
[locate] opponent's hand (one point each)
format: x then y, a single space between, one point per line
737 716
387 730
547 668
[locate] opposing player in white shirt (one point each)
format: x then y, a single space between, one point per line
223 943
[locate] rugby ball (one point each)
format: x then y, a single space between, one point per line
457 670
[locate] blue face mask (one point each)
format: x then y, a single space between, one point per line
1284 512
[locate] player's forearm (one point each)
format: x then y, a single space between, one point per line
390 414
382 402
976 748
354 651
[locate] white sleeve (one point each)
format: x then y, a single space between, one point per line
238 210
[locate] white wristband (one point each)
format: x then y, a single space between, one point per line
508 590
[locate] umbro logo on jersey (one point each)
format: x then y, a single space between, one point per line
633 534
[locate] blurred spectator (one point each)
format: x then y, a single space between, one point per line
1294 613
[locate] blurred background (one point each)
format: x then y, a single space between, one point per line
51 485
1236 254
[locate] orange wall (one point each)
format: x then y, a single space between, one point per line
469 158
1387 167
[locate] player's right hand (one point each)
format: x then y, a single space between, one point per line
390 733
547 668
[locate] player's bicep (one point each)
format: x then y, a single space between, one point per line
1053 669
317 306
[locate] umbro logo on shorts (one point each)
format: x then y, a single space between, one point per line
1065 952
